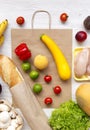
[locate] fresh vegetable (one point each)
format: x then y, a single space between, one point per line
87 23
83 97
57 89
48 100
63 17
41 62
20 20
3 26
37 88
23 52
0 88
69 116
60 60
47 78
34 74
81 36
26 66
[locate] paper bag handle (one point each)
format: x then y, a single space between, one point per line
38 11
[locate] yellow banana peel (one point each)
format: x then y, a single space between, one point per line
3 26
1 40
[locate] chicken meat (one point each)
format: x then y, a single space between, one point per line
80 62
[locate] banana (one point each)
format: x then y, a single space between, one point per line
3 26
1 40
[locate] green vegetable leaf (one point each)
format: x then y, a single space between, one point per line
69 116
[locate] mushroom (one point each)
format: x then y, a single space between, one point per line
9 118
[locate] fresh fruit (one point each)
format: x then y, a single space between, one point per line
0 88
34 74
83 97
23 52
26 66
1 40
48 100
20 20
87 23
81 36
63 17
47 78
63 67
3 26
37 88
41 62
57 89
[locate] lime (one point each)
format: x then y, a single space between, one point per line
26 66
37 88
34 74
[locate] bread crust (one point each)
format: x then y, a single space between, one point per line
9 71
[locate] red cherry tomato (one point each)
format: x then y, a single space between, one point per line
47 78
81 36
63 17
20 20
57 89
48 100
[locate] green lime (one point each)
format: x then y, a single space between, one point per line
37 88
34 74
26 66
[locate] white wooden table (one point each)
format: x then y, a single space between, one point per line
77 10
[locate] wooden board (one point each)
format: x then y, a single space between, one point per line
63 37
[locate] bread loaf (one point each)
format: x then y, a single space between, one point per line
8 71
83 97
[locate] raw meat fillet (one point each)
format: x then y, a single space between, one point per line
81 62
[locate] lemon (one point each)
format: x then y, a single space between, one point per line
40 62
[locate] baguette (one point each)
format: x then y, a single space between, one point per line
22 95
8 71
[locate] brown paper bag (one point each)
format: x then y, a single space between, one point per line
63 37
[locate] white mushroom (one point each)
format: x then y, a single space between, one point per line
9 118
19 120
11 128
4 117
4 107
14 123
12 114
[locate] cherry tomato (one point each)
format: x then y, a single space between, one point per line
63 17
81 36
47 78
48 100
20 20
57 89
